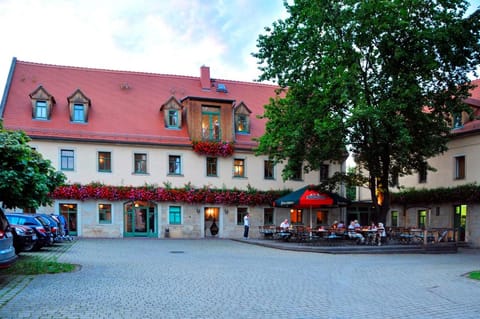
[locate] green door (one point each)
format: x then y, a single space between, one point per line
460 221
140 220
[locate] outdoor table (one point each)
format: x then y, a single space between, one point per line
370 236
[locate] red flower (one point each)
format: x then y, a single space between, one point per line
223 149
191 196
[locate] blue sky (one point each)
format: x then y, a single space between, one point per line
159 36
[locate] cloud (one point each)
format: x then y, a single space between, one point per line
172 37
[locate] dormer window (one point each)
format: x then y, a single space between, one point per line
242 119
78 113
41 110
79 106
457 120
172 112
42 104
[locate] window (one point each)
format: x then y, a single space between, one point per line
104 162
457 120
242 118
42 104
105 213
268 169
211 128
239 167
321 217
78 113
394 218
241 212
172 113
140 163
242 124
212 166
296 216
79 105
297 174
174 215
172 120
268 216
323 172
174 165
422 218
67 160
41 110
460 167
422 173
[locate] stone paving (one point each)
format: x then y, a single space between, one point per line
158 278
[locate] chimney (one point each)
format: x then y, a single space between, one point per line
205 77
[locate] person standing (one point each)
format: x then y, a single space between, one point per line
246 225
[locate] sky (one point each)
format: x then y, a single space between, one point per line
157 36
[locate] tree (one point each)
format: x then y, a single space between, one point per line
26 179
378 77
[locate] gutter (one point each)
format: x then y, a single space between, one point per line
7 87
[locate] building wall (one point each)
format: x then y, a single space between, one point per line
193 223
468 146
194 167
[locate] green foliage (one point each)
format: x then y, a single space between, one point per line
26 178
378 77
474 275
34 265
468 193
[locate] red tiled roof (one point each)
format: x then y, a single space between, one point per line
125 106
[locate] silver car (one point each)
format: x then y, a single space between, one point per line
7 251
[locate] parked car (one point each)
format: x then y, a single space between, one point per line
7 250
24 238
54 226
41 228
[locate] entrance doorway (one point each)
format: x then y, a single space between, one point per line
460 221
69 212
140 219
211 221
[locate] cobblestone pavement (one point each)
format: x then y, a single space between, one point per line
148 278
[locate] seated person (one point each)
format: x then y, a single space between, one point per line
353 234
285 225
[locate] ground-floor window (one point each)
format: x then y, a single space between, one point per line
422 218
268 216
321 217
104 213
296 216
241 212
174 215
394 218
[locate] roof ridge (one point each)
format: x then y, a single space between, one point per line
145 73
